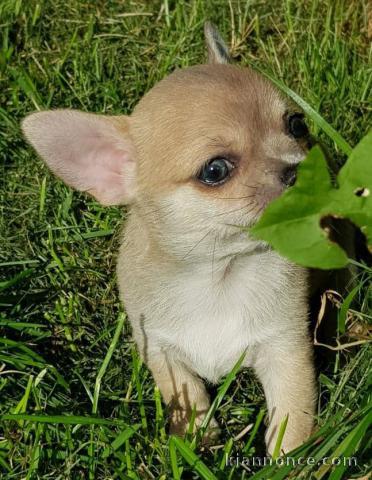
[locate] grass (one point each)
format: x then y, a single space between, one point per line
76 401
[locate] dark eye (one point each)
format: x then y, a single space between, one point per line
297 126
216 171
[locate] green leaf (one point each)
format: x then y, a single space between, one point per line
292 223
354 197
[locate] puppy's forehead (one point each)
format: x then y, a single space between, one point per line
193 112
234 91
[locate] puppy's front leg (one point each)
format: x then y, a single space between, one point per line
183 391
285 368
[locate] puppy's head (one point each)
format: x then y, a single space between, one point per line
204 151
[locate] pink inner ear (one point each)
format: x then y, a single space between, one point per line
104 167
87 151
105 171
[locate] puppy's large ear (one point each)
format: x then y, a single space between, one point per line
217 48
92 153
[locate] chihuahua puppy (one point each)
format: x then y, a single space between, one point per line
200 157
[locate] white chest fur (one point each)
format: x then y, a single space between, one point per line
208 313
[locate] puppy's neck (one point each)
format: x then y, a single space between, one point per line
180 246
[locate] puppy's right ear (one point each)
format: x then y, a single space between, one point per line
217 48
92 153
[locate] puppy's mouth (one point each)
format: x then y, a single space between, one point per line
267 193
263 195
263 198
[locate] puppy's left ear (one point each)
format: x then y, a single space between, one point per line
217 48
92 153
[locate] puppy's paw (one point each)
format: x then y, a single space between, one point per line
294 437
180 425
212 433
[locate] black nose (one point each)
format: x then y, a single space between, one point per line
288 176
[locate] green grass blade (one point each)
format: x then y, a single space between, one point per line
4 464
35 456
62 419
279 441
226 453
222 389
16 279
106 361
137 380
121 439
173 460
159 415
192 459
313 114
346 448
342 314
260 417
97 387
42 197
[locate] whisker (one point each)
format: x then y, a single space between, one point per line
256 185
250 210
253 186
155 210
214 251
232 211
235 198
261 210
196 244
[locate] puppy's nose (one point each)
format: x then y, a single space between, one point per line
288 175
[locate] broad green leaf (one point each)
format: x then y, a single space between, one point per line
292 223
354 196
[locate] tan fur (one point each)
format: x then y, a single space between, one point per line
183 391
200 113
198 290
211 110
